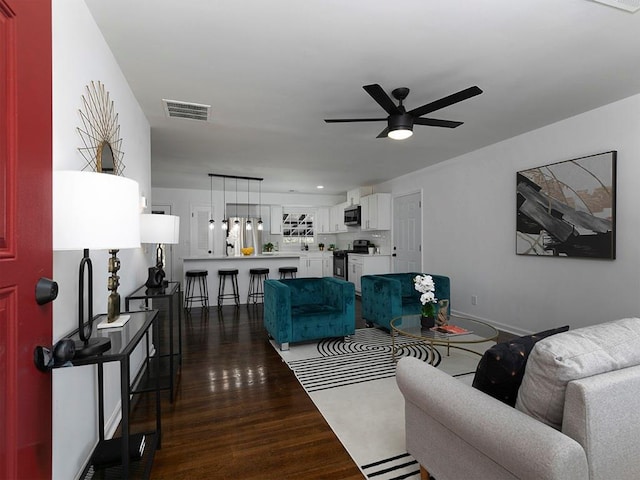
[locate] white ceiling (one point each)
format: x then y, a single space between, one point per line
272 71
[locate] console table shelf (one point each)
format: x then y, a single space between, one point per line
167 301
124 341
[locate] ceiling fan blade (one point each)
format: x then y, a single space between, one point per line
383 133
380 96
446 101
344 120
434 122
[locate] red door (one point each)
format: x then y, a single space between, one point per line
25 236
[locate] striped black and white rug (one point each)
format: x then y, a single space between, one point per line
353 385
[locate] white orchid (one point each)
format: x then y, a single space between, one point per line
426 286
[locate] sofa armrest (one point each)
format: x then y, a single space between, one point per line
601 413
381 299
277 311
456 431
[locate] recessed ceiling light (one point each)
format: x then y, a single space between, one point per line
320 186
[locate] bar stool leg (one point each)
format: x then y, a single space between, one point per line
236 290
204 292
188 292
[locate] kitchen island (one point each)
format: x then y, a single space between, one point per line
243 263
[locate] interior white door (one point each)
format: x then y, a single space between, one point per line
201 236
407 233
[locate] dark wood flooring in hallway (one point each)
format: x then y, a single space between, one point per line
239 412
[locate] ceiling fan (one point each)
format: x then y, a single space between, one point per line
400 122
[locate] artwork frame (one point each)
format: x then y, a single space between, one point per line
568 208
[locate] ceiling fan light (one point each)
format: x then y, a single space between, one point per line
400 126
400 133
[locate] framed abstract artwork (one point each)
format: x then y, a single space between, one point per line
568 209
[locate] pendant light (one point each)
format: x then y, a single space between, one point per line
249 226
225 226
236 221
260 226
212 222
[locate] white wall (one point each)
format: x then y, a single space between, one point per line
469 221
81 55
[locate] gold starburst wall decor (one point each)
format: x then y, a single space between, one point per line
100 131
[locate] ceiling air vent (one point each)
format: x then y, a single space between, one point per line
628 5
193 111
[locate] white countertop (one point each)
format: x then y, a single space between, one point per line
244 257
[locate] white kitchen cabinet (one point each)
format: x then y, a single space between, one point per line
376 212
354 196
355 264
323 223
276 219
311 265
327 264
336 217
362 264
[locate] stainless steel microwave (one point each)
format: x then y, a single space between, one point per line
352 215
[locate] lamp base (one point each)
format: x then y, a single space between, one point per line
93 346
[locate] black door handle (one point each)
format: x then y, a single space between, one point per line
46 291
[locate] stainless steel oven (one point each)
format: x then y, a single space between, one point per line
340 264
340 258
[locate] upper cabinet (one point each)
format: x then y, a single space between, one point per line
323 223
354 196
376 212
336 218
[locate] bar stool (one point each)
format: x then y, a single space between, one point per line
257 276
232 275
199 278
290 271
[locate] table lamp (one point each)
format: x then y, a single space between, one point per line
95 211
161 230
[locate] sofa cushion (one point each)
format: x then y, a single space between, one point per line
580 353
502 366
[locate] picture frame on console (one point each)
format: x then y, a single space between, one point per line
568 208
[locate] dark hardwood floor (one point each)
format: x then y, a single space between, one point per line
239 412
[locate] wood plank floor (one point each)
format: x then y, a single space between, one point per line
239 412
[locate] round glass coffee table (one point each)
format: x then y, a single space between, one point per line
408 327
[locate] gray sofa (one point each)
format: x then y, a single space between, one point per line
586 382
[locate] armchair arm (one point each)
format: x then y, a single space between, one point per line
381 299
456 431
338 293
277 311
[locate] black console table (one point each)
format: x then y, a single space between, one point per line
167 301
124 341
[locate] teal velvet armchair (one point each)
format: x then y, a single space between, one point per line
392 295
301 309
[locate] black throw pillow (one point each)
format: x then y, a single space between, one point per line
501 368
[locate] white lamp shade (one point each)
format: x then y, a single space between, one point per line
93 210
158 228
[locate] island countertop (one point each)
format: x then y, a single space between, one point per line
245 257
